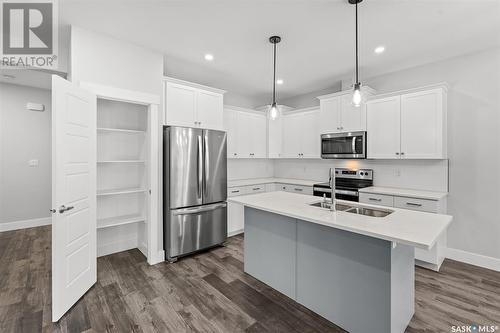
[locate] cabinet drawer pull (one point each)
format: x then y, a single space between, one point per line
374 199
414 204
235 191
298 189
256 188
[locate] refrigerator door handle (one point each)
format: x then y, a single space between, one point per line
207 208
207 166
200 167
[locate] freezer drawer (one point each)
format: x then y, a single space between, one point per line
196 228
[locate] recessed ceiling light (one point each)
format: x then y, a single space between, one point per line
209 57
279 81
380 49
9 77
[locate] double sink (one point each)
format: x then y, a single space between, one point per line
354 209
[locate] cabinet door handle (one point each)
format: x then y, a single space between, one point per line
298 189
402 153
397 153
374 199
235 191
256 188
414 204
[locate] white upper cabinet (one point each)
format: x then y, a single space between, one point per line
192 105
301 137
180 105
231 127
411 125
352 118
209 108
330 115
274 137
246 133
337 114
423 125
383 135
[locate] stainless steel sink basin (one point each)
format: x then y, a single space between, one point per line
369 211
339 207
361 210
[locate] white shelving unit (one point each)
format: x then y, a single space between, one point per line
122 175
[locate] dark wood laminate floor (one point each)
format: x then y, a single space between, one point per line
207 293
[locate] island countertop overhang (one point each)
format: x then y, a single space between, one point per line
418 229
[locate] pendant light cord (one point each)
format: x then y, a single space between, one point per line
274 75
357 79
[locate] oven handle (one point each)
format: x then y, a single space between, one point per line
322 190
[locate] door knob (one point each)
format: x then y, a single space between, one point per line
63 209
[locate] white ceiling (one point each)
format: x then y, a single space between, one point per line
317 45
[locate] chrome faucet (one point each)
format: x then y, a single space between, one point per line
332 187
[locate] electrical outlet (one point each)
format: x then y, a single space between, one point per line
397 172
33 163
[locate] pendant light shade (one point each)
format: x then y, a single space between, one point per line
357 94
273 110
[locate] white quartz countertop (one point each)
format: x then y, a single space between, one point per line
404 192
403 226
256 181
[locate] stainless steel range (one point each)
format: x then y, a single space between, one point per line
347 184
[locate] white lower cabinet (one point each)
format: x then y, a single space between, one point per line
236 212
432 258
235 218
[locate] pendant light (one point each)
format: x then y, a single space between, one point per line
273 110
357 96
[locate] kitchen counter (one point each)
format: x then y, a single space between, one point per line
257 181
418 229
354 270
404 192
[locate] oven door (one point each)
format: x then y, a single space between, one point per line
341 194
343 145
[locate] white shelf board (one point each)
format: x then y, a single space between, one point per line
120 130
119 220
117 191
121 161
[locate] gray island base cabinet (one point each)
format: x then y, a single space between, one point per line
360 283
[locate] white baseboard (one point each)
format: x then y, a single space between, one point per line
118 246
234 233
473 259
160 257
23 224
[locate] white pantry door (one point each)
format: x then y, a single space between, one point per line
74 260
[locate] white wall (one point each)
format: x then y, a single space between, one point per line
473 146
25 192
473 143
100 59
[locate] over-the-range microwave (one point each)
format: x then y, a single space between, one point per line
347 145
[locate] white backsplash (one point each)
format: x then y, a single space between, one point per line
249 168
431 175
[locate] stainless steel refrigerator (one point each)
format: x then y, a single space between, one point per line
194 190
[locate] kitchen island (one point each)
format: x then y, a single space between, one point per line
355 270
